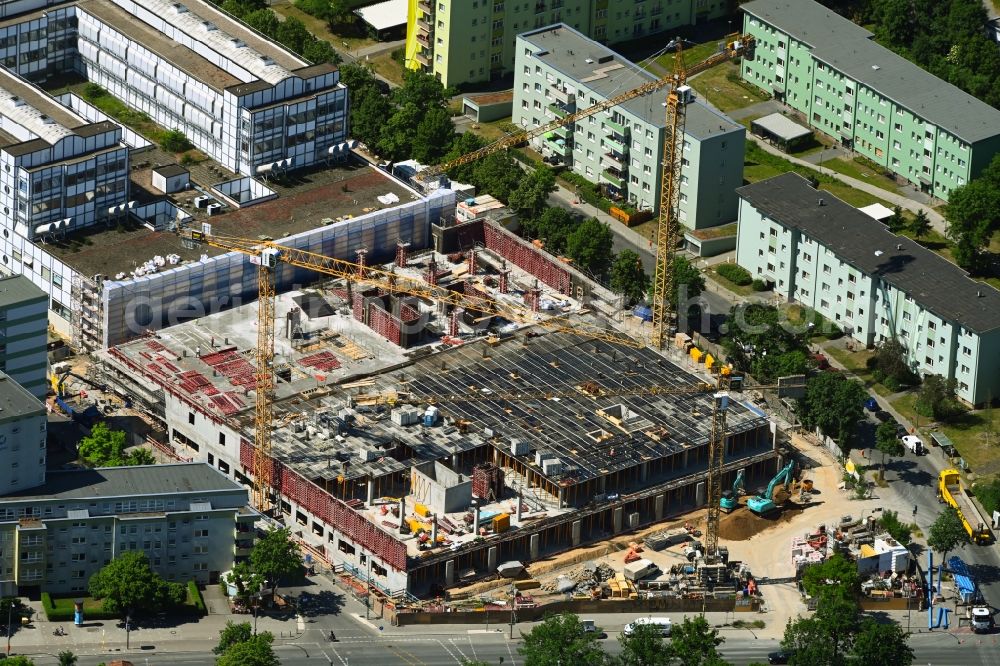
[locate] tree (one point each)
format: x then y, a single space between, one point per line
590 247
552 227
834 404
896 528
645 646
531 195
921 225
433 134
17 660
688 285
174 141
888 442
890 366
276 557
255 651
896 222
825 638
973 214
319 51
559 640
240 8
368 119
836 575
231 634
881 644
294 34
423 91
359 78
264 21
936 398
947 532
247 582
66 658
128 584
693 642
104 447
628 277
756 336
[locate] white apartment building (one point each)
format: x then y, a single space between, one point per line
190 520
817 250
560 71
22 438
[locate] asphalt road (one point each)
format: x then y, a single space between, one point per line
937 649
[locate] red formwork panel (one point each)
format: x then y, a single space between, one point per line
384 324
358 306
408 313
527 257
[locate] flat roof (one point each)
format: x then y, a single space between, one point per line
384 15
347 190
15 401
138 481
170 170
782 127
934 282
31 108
176 54
607 73
851 49
877 211
16 289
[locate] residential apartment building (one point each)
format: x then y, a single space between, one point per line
244 100
873 101
24 318
22 438
559 70
468 41
816 250
189 519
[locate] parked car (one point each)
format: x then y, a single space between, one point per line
901 430
780 656
883 416
871 405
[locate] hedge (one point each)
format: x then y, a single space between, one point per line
195 599
62 610
735 274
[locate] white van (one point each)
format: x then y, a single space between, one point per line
914 444
662 622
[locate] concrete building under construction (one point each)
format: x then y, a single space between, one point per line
383 473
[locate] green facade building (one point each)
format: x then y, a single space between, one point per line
24 325
469 41
871 100
559 70
814 249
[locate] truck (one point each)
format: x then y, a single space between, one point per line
914 444
635 571
950 491
980 618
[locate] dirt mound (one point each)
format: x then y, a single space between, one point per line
744 523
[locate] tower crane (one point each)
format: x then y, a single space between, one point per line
678 95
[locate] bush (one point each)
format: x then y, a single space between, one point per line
758 285
174 141
399 55
735 274
93 91
62 610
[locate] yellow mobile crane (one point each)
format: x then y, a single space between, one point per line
678 96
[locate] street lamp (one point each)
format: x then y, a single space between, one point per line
10 609
256 607
128 627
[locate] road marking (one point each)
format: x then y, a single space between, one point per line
458 649
334 651
472 646
513 662
300 623
408 657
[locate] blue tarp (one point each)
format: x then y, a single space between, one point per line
964 582
643 312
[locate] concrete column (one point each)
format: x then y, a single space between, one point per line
633 520
643 471
699 493
533 545
602 484
475 520
491 559
616 520
658 502
449 572
518 509
575 532
434 530
562 494
371 492
684 459
402 512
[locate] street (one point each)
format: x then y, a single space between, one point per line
451 649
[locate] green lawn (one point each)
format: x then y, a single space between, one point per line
692 55
854 169
715 86
321 29
967 432
857 363
387 67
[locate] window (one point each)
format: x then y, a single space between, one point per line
191 418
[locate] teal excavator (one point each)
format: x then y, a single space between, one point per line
764 502
731 498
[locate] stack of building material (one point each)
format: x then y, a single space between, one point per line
487 481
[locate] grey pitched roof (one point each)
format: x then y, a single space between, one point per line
850 49
139 481
15 401
17 289
592 65
934 282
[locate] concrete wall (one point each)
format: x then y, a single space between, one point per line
439 488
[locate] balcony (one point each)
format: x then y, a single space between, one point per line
558 110
425 7
424 58
562 96
557 146
616 145
616 179
615 127
424 40
539 7
615 161
243 547
423 27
